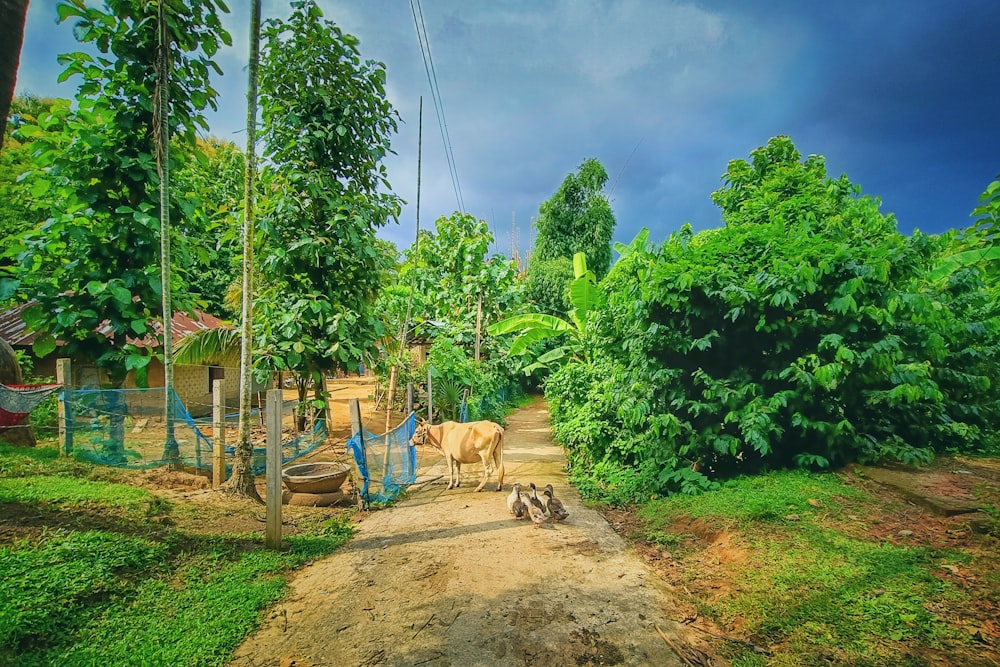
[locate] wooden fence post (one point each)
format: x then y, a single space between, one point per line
393 374
218 433
64 376
430 398
409 398
357 428
272 537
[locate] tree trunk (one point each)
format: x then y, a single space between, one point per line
12 16
241 482
161 134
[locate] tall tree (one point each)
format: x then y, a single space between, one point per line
241 482
93 265
454 277
12 16
326 129
578 218
161 122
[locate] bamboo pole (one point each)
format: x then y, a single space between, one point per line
430 398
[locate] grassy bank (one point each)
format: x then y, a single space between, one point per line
96 568
795 568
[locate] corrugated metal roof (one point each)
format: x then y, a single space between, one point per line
14 331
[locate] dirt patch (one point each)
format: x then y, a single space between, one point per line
451 578
701 559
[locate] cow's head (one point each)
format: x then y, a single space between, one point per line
420 433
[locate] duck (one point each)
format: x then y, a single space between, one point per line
515 503
537 514
534 499
553 505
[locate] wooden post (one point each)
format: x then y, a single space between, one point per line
393 374
272 537
430 398
409 398
64 376
479 323
358 430
218 433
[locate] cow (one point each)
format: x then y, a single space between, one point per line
465 443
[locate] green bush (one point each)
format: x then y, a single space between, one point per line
805 332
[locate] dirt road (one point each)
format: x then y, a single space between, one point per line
449 578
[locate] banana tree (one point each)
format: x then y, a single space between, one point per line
534 327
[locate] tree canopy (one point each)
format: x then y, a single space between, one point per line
94 261
326 128
578 218
803 332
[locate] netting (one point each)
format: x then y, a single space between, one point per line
127 428
290 450
387 463
18 400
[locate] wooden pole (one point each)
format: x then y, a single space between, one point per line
393 374
359 431
479 323
272 538
64 376
409 398
218 433
430 398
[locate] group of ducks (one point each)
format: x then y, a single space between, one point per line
533 507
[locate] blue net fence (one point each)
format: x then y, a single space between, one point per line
127 428
290 450
387 463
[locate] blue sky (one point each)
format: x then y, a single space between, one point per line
900 96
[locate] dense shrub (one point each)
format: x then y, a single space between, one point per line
803 332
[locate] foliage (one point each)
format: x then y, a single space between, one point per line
535 327
450 270
445 278
211 179
131 591
987 213
578 218
16 216
93 262
802 333
452 375
326 129
547 286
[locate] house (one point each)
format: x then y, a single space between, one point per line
193 383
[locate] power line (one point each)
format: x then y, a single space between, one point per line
425 53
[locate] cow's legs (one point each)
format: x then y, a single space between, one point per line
486 471
451 471
498 460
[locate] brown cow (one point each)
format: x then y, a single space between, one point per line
465 443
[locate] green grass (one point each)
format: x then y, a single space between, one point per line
769 497
47 490
817 593
134 591
22 461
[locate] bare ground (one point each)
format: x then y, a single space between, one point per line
451 578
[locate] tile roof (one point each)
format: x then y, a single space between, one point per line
15 331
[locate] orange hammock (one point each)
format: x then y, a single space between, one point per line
17 400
